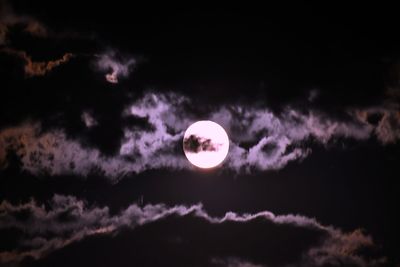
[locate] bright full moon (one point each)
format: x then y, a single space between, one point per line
205 144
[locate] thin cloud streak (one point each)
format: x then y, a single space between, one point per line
37 68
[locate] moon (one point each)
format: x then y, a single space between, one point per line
206 144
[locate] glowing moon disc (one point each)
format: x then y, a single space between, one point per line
205 144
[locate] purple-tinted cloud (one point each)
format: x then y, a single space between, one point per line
275 139
69 220
52 153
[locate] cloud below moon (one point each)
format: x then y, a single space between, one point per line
68 220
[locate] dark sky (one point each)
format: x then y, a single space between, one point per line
95 99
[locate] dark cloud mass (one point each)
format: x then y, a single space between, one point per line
95 101
195 144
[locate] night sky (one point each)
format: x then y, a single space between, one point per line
95 100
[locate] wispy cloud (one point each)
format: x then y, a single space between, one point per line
113 66
52 153
278 138
68 220
88 119
387 126
37 68
9 19
260 139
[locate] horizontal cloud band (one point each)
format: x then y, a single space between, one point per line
68 220
275 139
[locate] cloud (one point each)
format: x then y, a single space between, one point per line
88 119
37 68
195 144
114 67
260 139
313 95
9 19
67 220
340 248
67 216
387 127
52 153
278 138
